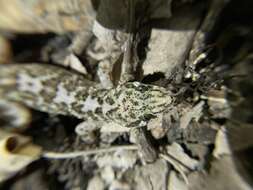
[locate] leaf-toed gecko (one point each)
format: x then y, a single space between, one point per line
56 90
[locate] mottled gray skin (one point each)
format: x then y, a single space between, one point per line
56 90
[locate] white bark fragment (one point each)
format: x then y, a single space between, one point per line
169 47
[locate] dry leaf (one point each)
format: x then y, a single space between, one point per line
40 16
221 144
178 153
16 152
194 113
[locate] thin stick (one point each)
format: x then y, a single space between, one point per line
57 155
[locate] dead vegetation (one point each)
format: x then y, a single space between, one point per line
200 51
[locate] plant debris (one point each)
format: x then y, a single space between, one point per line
126 94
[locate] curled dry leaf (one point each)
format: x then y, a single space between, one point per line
16 152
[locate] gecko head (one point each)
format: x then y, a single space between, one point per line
137 102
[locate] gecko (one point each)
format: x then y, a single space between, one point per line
56 90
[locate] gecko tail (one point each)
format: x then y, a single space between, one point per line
31 85
44 87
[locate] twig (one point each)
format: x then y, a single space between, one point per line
57 155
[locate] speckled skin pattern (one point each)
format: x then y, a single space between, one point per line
56 90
